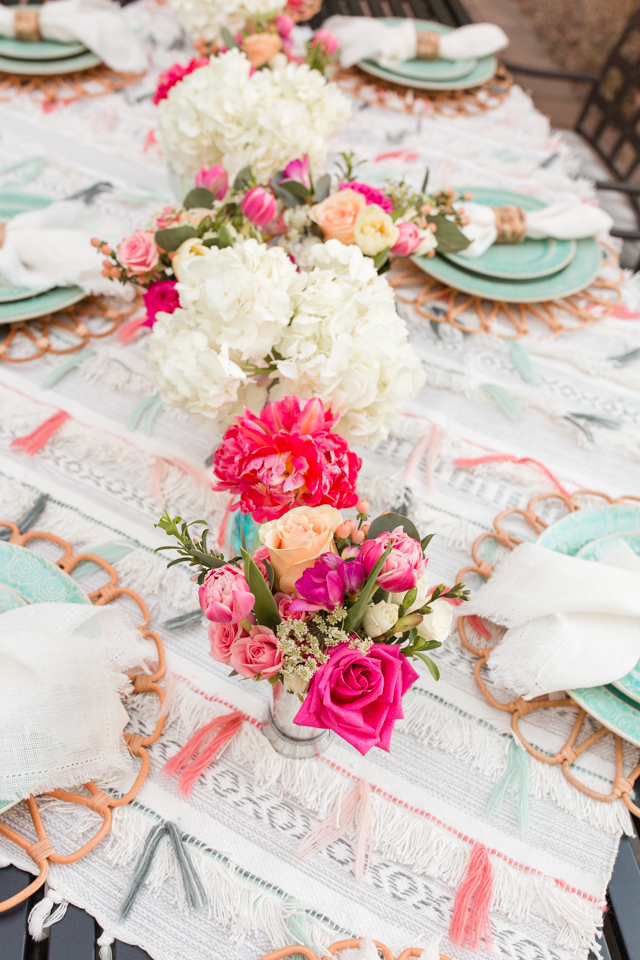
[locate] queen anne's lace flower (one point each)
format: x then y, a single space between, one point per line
222 114
205 18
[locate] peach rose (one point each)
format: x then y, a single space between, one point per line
336 215
297 539
261 47
139 253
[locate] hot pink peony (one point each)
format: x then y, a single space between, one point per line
225 596
259 206
408 241
256 654
174 75
223 636
138 253
403 567
359 695
371 194
214 179
160 297
286 457
298 170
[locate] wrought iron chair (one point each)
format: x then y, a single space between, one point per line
451 12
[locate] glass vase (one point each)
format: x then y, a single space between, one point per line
286 737
238 524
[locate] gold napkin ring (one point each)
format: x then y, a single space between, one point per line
2 232
26 25
428 44
510 224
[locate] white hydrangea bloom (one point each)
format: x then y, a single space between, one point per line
205 18
221 114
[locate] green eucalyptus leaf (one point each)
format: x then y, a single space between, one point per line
225 238
265 609
211 242
450 238
296 188
323 185
388 522
228 39
172 238
381 258
244 178
288 198
199 197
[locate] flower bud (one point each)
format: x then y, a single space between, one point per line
379 618
327 42
259 206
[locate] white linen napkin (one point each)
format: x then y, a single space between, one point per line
366 38
62 670
51 247
570 622
99 24
562 221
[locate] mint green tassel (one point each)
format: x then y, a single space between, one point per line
149 416
522 362
515 776
30 168
64 368
111 552
299 931
140 409
505 400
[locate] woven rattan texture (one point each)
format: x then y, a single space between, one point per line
571 749
42 852
339 947
53 90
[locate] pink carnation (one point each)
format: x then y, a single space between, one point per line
160 297
403 567
174 75
371 194
256 654
139 253
225 596
286 457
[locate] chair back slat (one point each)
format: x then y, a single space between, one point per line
450 12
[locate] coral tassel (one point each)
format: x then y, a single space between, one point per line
470 921
128 330
337 824
36 440
509 458
193 763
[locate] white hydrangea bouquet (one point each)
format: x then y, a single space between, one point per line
251 327
225 112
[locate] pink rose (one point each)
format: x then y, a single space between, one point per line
225 596
403 567
284 24
408 241
359 695
139 253
329 43
284 601
169 216
214 179
223 636
257 655
261 554
160 297
259 206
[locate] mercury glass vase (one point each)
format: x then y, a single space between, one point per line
286 737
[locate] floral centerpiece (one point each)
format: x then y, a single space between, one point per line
328 609
210 19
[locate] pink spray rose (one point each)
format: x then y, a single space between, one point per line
138 253
256 654
223 636
298 170
214 179
169 216
283 602
403 567
359 695
225 596
160 297
174 75
370 194
261 554
408 241
329 43
259 206
284 24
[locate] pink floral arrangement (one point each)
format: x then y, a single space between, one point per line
174 75
333 609
287 456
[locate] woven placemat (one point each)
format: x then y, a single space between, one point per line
51 91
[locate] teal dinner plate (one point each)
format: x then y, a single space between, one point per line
572 534
35 579
42 50
40 305
529 260
612 708
10 599
10 205
45 68
433 74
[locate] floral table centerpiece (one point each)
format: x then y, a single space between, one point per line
213 20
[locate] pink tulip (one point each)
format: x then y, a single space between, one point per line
259 206
298 170
284 24
214 179
329 43
408 240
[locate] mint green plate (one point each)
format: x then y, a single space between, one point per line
529 260
10 599
43 50
577 275
433 74
45 68
35 579
580 528
10 205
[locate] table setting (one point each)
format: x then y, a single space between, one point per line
317 496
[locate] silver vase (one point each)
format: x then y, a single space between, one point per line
286 737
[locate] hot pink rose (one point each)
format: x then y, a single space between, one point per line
257 654
359 695
403 567
214 179
139 253
223 635
259 206
225 596
408 241
174 75
329 43
160 297
370 194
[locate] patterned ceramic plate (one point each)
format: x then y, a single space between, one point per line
35 579
529 260
45 68
581 527
10 599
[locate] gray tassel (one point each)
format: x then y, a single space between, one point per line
194 891
30 518
183 621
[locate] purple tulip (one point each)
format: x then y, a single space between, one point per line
324 585
298 170
259 206
214 179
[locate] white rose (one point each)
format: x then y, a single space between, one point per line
185 253
379 617
437 625
423 586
